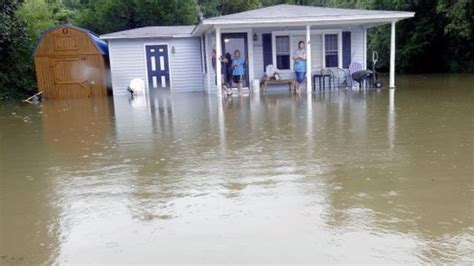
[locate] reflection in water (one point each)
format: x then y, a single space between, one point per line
391 117
266 178
309 125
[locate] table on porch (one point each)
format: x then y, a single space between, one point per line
264 83
321 75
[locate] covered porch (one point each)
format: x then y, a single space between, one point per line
265 36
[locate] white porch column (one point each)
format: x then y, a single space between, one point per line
392 56
250 62
309 86
218 63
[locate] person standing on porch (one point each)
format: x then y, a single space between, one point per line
225 65
238 63
300 65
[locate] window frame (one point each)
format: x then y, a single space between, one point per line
336 51
322 33
290 45
339 47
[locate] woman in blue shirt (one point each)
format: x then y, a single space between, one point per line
300 65
238 63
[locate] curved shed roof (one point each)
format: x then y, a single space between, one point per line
101 45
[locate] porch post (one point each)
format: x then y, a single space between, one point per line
218 63
250 62
392 56
309 86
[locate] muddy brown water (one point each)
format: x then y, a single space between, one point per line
382 176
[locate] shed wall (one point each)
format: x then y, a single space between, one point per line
68 65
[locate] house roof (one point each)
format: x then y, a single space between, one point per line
296 14
151 32
303 12
272 15
101 45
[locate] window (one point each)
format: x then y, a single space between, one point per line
282 52
331 50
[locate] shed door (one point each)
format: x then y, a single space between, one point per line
71 77
158 67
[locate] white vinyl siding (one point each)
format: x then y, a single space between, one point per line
357 45
258 56
127 61
316 51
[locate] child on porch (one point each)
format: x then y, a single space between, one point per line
238 69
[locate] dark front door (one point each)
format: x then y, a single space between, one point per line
157 67
237 41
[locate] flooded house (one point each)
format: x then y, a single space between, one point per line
71 62
178 58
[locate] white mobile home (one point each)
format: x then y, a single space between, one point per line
178 57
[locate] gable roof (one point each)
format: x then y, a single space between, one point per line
151 32
284 11
296 14
101 45
276 15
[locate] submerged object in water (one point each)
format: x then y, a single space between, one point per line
137 86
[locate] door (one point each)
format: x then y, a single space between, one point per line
158 70
237 41
71 77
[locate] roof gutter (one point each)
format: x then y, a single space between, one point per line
105 37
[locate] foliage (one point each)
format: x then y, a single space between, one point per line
39 15
16 68
438 39
104 16
235 6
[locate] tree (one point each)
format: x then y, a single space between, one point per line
209 8
235 6
458 31
104 16
16 69
187 12
40 15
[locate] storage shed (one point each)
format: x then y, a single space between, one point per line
71 63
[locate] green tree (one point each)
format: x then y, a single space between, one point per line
103 16
40 15
187 12
458 31
209 8
16 69
235 6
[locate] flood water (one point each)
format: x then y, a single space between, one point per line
344 176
